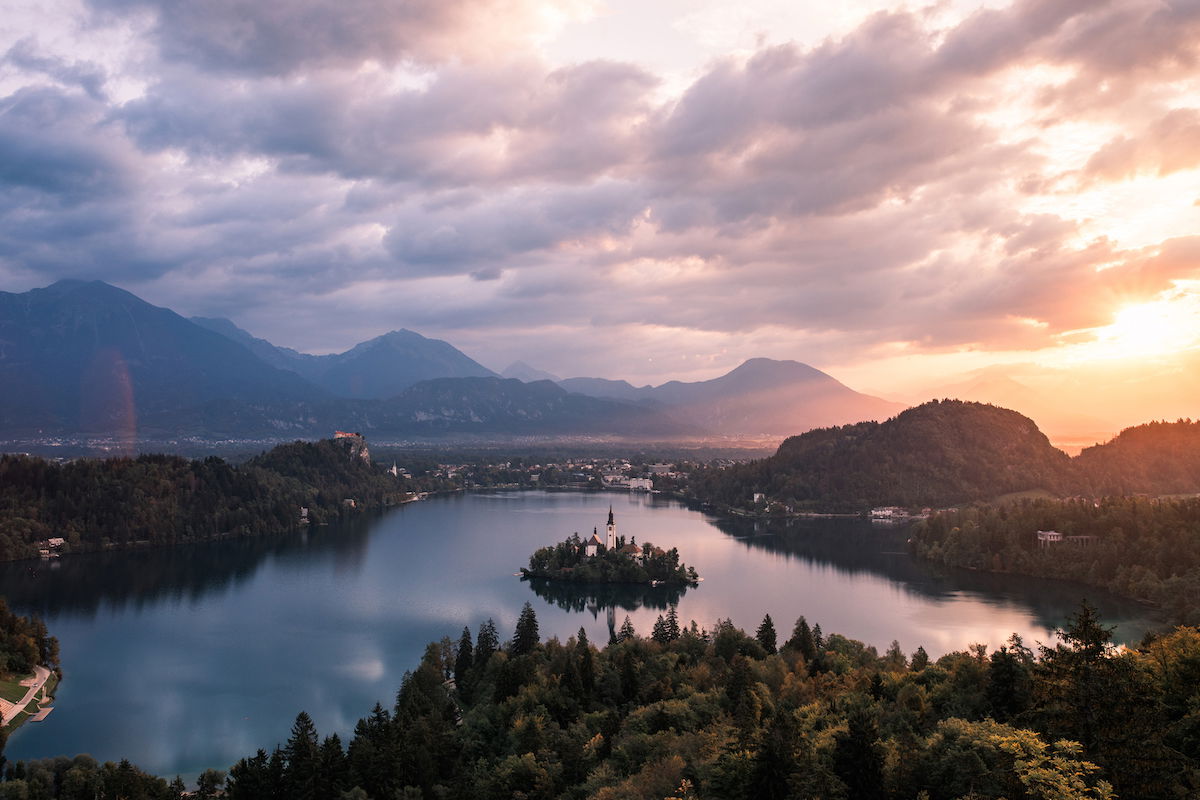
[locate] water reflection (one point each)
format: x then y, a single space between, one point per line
856 547
137 579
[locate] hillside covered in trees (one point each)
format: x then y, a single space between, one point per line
1134 546
690 713
949 452
936 454
1155 458
156 499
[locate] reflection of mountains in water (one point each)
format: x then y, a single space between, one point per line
81 583
597 597
855 546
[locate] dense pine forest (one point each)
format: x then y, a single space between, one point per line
695 713
158 499
1144 548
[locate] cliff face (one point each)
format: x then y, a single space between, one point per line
356 447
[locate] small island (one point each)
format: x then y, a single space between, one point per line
609 560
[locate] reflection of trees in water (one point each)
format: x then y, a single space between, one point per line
855 546
80 584
607 597
596 597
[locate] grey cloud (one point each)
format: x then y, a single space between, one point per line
25 55
252 37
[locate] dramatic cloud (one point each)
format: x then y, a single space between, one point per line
926 181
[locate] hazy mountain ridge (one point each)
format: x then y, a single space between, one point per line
375 369
89 356
761 396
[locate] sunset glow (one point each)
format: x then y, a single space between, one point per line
903 196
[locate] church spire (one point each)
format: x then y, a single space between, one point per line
610 515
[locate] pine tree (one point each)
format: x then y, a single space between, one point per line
526 638
463 658
818 638
626 632
659 632
766 634
802 640
673 631
303 755
486 643
587 665
920 660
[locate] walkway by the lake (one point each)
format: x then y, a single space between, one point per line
9 711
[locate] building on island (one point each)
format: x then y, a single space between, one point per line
592 546
610 531
1045 538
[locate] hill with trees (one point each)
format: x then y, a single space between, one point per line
98 504
936 454
688 713
1155 458
1137 547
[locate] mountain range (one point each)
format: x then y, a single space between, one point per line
88 358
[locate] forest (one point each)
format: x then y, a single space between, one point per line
566 561
96 504
945 453
1145 548
690 712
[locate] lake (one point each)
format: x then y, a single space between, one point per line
188 658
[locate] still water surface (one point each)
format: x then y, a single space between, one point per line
182 659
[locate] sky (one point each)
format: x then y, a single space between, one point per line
907 196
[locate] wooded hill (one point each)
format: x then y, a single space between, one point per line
688 713
98 504
948 452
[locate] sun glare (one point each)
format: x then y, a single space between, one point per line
1159 328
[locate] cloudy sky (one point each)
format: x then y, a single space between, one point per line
644 189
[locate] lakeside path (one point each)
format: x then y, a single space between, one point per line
9 711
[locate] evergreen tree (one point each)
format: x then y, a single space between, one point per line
303 756
626 632
486 643
526 637
208 785
857 759
463 658
818 638
766 634
920 659
333 774
802 640
659 632
587 665
673 631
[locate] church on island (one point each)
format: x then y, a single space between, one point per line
592 546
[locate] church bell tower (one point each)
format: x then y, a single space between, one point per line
610 531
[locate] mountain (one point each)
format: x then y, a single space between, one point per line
523 372
378 368
87 356
1062 420
936 454
280 357
762 396
1155 458
509 406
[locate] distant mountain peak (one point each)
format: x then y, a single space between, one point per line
523 372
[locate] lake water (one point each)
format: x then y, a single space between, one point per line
182 659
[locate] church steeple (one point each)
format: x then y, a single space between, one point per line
610 516
610 531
